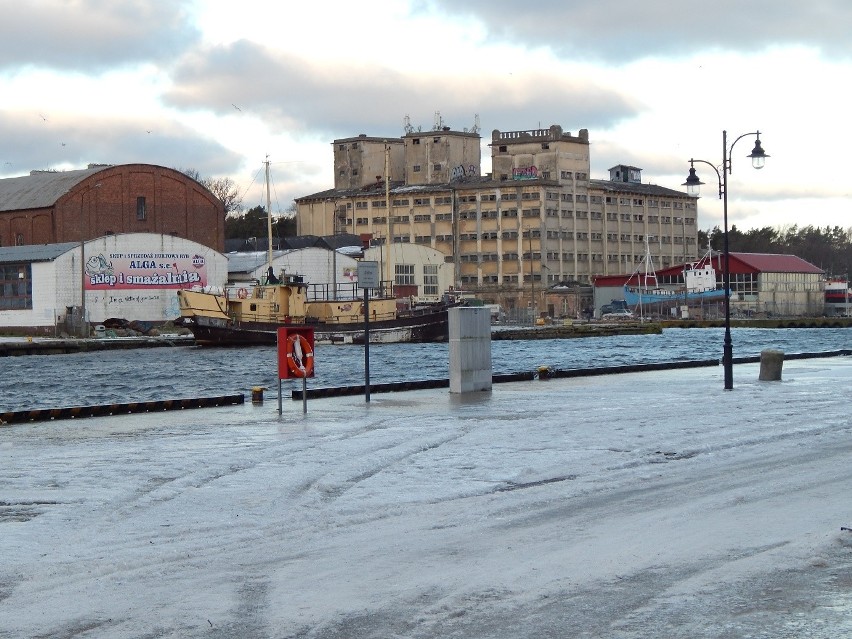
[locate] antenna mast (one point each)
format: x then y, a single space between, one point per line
268 214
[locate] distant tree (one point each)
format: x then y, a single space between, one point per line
223 188
254 224
226 191
829 248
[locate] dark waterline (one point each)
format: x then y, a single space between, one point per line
81 379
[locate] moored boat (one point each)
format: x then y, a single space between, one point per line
252 314
699 284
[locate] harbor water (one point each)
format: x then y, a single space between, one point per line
83 379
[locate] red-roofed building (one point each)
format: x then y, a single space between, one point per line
760 283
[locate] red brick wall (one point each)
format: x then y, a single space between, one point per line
34 225
105 202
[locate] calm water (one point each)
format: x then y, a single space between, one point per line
53 381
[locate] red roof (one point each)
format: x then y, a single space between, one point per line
774 263
740 263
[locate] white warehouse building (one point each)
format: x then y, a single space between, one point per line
46 289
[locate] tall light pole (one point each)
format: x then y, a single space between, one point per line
84 327
693 185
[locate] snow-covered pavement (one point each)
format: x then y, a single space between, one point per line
629 506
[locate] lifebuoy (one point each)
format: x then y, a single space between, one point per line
300 356
242 293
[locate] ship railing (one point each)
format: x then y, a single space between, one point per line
345 291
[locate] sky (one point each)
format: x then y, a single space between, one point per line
219 87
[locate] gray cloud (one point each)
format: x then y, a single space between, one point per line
626 30
348 100
32 143
91 35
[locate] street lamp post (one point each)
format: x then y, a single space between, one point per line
84 326
693 185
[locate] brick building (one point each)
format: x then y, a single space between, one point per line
48 207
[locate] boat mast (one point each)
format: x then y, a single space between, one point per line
388 237
268 216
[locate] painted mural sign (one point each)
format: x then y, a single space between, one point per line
137 271
525 173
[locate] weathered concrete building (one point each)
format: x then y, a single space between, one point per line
538 219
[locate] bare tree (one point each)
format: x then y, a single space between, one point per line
223 188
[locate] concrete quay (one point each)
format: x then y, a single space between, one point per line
648 504
14 346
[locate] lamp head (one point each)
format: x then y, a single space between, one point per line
758 155
692 184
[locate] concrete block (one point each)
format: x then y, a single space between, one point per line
470 349
771 362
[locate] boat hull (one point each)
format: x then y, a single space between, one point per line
427 327
634 296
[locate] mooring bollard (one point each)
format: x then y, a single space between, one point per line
771 362
257 394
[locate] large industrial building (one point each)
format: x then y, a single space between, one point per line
536 220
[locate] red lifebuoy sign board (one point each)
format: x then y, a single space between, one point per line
295 352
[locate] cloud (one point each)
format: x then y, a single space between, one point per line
88 35
29 142
621 31
348 98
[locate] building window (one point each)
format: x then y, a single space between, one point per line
436 166
141 213
430 279
404 273
416 168
16 286
19 239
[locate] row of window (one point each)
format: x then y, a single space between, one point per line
526 213
404 275
579 198
625 258
530 213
